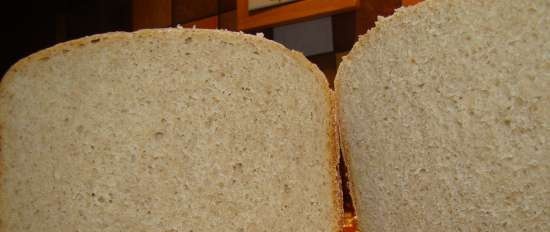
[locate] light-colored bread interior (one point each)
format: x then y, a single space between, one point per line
167 130
445 115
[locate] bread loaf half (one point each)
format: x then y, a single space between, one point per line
167 130
445 117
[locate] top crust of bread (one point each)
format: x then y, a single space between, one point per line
472 79
261 44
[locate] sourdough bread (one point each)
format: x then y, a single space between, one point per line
445 118
167 130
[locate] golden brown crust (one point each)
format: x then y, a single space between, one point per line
362 41
335 164
332 133
333 142
344 146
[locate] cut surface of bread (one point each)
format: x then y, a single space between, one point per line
167 130
445 117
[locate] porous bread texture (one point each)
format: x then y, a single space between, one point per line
167 130
445 118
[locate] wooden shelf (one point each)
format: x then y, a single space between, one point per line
289 13
410 2
207 23
151 14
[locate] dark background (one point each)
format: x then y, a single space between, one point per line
29 26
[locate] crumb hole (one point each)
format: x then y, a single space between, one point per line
159 135
507 122
237 167
286 188
95 40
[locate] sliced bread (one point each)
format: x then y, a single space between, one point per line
167 130
445 118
